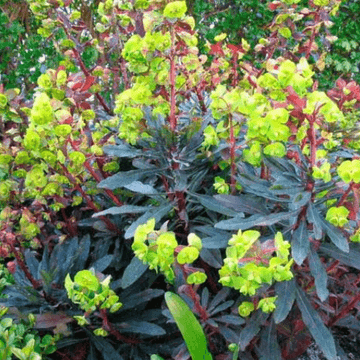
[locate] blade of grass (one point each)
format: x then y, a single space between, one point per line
189 327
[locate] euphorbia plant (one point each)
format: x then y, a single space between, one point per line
188 125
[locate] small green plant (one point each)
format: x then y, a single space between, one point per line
91 295
20 340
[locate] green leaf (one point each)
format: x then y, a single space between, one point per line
189 327
315 325
86 279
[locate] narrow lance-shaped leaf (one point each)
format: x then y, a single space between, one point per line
315 325
319 274
252 328
335 235
300 244
285 291
255 220
349 259
125 178
189 327
313 218
269 346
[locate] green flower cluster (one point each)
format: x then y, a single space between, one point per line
157 248
91 294
249 264
267 305
19 339
338 216
349 171
148 59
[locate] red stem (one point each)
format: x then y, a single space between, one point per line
345 310
87 73
232 155
35 284
312 138
173 123
107 325
345 195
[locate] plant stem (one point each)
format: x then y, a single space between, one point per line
173 123
35 284
232 155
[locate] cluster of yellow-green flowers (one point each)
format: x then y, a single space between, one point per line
91 294
248 266
157 248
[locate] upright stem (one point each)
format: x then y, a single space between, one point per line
173 123
312 137
35 284
232 154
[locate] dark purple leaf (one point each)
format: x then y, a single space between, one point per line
314 217
105 348
255 220
252 328
205 297
125 209
285 291
216 242
132 272
230 335
242 203
219 297
212 204
101 264
335 235
315 325
141 327
121 151
300 244
269 347
222 307
350 259
139 298
319 273
139 187
125 178
231 319
212 257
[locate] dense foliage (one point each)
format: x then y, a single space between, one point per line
163 197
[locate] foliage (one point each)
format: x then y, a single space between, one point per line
19 340
248 162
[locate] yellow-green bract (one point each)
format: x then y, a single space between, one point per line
189 327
